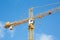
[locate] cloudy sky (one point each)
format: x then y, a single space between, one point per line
46 28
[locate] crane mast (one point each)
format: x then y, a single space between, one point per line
31 25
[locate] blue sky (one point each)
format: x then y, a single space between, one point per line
47 28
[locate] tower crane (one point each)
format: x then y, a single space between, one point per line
31 19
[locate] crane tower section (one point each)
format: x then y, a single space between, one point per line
31 19
31 25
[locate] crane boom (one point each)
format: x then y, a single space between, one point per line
7 25
48 12
19 22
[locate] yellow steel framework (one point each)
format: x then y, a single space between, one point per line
31 21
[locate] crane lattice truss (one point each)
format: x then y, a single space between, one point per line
31 20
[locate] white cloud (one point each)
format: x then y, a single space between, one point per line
1 30
45 37
12 33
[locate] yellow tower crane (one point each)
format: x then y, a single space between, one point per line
31 21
